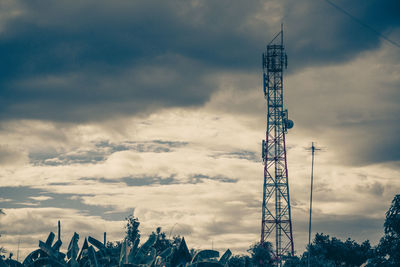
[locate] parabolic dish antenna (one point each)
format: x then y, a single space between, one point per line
290 124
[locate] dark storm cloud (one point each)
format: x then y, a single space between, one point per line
150 181
199 178
155 146
100 152
89 60
22 197
81 157
318 33
135 181
146 181
242 154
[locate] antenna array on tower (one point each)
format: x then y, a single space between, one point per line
276 214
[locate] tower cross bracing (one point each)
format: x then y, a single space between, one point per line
276 225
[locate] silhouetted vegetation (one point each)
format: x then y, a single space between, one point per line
2 249
162 242
261 255
239 261
158 250
326 251
387 253
332 252
132 229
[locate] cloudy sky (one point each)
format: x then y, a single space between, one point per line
156 107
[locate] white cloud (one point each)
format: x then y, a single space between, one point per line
41 198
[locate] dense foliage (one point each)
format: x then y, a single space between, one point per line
162 242
132 229
133 235
239 261
325 251
261 255
387 253
2 249
332 252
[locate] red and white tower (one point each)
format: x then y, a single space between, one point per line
276 225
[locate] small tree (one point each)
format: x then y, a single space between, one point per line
261 255
348 253
315 261
392 222
132 229
239 261
387 253
162 242
2 249
293 261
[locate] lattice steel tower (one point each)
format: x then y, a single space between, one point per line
276 217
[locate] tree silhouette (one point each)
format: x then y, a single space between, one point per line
332 252
162 242
387 253
2 249
261 255
239 261
132 229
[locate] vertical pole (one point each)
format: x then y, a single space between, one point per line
105 238
19 241
309 224
59 230
126 251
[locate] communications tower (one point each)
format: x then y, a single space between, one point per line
276 225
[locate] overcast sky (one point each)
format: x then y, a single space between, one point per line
156 108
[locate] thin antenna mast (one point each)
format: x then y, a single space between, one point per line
313 149
19 241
